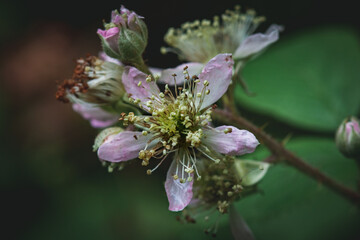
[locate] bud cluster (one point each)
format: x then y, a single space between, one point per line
125 37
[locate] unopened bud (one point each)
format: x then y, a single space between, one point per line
125 37
348 138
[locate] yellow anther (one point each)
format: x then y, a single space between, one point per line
163 50
144 133
228 130
148 78
139 84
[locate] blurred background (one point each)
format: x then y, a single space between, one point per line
53 184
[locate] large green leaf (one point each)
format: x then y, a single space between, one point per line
294 206
310 80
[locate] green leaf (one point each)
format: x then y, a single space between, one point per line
294 206
310 80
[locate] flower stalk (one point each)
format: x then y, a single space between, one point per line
290 158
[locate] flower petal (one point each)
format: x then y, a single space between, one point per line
218 72
98 117
178 194
236 142
105 57
111 37
166 75
255 43
250 171
131 79
123 146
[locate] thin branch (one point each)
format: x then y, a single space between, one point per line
278 150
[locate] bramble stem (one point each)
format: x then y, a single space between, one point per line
279 151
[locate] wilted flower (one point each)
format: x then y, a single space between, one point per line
125 37
199 41
179 124
94 81
348 137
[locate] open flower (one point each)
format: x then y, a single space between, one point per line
199 41
178 125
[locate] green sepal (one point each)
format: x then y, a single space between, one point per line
250 172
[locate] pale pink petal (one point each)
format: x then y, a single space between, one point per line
98 117
166 75
236 142
218 72
131 78
110 36
105 57
123 146
178 194
155 71
257 42
124 10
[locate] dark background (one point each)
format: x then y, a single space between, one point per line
52 184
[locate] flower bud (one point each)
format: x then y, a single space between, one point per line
348 138
125 37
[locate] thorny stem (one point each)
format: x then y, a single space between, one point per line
279 151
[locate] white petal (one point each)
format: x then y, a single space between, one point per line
251 172
257 42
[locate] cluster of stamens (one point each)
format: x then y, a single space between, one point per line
78 82
176 125
199 41
220 186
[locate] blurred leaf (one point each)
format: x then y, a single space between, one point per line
294 206
112 206
310 80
